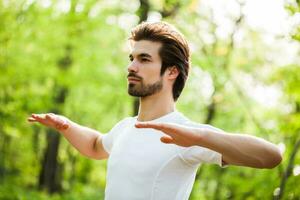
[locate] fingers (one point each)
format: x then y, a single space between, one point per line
52 117
60 122
146 125
65 126
31 119
167 128
51 120
35 118
167 140
158 126
40 117
61 125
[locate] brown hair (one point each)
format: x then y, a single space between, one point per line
174 50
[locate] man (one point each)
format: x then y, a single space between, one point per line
140 164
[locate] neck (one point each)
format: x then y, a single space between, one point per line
155 106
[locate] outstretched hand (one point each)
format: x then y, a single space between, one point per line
50 120
175 134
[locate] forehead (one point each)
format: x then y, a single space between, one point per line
145 47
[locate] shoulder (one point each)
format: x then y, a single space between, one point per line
189 123
199 125
124 122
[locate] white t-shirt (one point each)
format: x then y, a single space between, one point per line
141 167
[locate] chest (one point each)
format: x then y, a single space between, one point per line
140 150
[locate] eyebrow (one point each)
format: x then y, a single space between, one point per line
142 55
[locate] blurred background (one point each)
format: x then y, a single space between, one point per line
70 57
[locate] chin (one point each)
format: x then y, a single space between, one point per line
131 85
135 93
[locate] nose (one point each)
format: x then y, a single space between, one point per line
133 67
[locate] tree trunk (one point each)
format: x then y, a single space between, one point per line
4 149
50 174
142 12
288 170
73 161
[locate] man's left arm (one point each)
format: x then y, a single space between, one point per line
236 149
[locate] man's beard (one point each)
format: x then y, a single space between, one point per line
141 90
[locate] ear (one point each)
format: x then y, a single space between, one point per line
172 72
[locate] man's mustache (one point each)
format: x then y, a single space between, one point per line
133 75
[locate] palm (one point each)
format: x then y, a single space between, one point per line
50 120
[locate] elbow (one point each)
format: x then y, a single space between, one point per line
274 160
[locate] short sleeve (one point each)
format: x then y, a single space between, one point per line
195 155
109 138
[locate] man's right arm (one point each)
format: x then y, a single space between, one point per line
86 140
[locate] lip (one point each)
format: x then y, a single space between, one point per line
133 79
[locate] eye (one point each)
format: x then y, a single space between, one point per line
145 60
130 58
